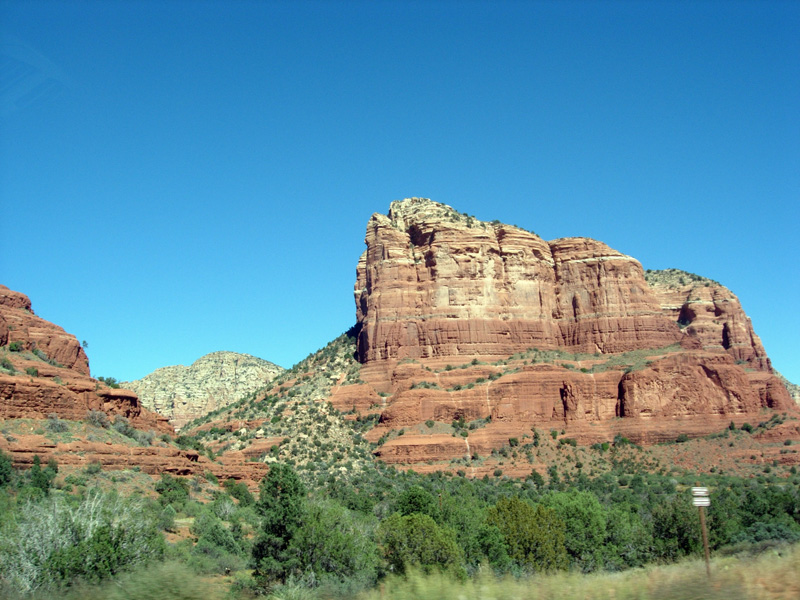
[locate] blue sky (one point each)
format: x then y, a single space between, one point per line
178 178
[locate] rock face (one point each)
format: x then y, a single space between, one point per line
215 380
710 314
49 373
564 334
793 388
44 372
18 323
433 282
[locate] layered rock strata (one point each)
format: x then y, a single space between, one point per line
213 381
18 323
49 373
709 313
451 309
433 282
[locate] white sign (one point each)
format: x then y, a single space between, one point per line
699 491
701 501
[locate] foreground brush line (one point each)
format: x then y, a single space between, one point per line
773 575
338 541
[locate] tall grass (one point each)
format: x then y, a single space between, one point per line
771 576
164 581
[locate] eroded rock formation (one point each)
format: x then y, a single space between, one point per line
433 282
463 319
18 323
49 373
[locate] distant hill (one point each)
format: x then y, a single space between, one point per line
213 381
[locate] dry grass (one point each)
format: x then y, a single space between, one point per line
771 576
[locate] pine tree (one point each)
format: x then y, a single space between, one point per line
281 505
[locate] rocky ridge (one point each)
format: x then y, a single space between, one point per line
793 388
213 381
295 419
433 283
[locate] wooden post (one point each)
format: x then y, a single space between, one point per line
705 539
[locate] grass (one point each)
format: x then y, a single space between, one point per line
771 576
165 581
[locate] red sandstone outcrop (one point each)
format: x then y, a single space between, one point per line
710 313
436 287
51 373
154 460
18 323
26 397
433 283
36 388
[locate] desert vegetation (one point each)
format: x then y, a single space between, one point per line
387 533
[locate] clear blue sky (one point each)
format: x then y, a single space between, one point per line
183 177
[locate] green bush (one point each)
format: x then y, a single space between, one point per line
7 365
417 500
334 542
585 526
56 425
110 382
239 491
210 531
98 418
15 347
166 520
54 542
281 505
93 468
6 469
534 535
676 529
172 490
42 479
123 426
416 540
32 371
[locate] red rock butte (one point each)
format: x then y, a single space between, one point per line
436 288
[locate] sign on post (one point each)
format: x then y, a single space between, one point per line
700 499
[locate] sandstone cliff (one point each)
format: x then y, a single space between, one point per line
433 282
467 320
45 371
213 381
18 323
709 313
